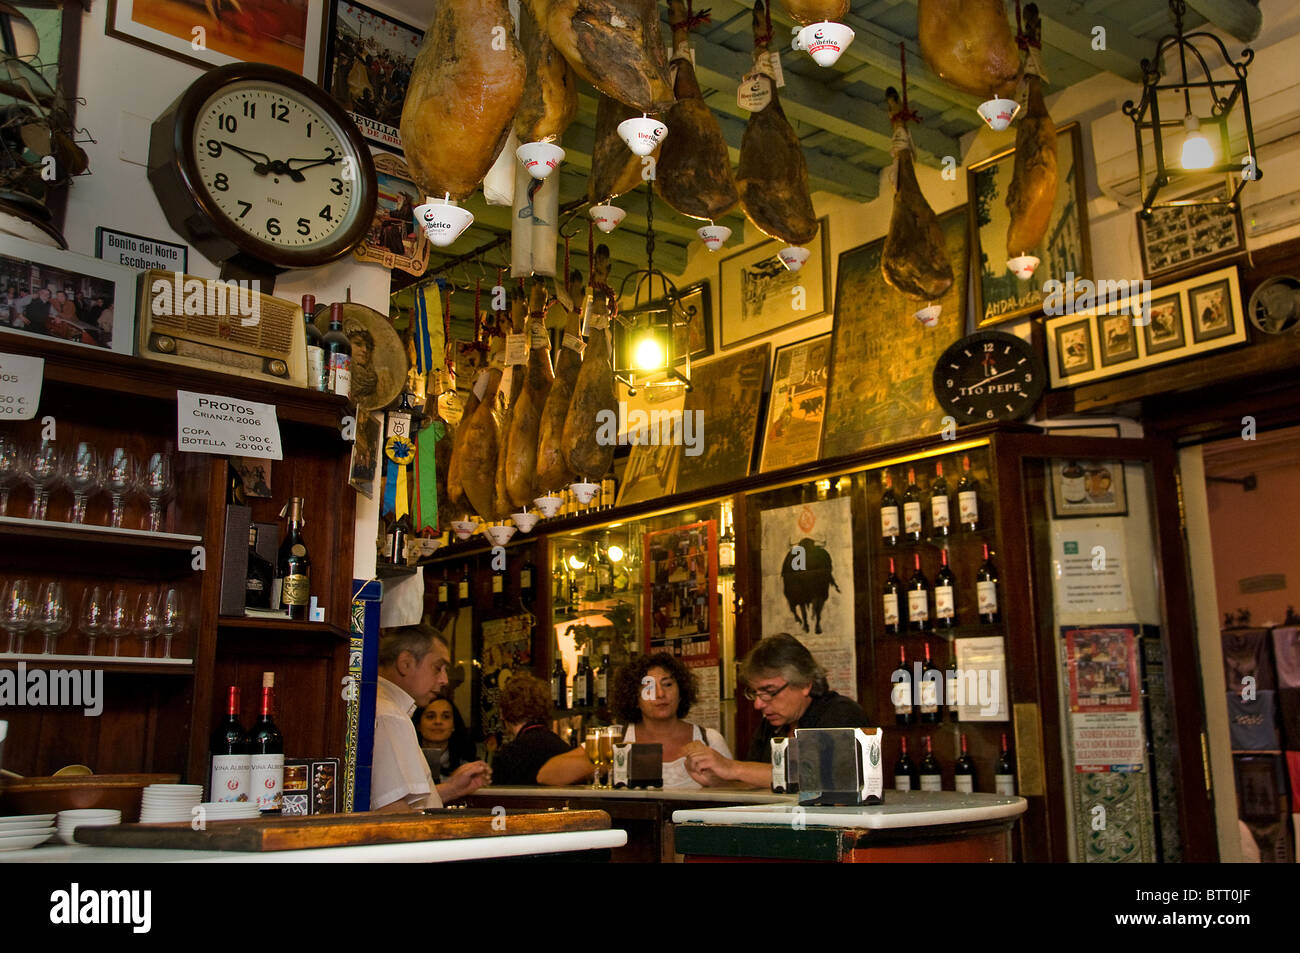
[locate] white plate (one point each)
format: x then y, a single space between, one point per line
27 832
23 843
16 828
169 788
88 812
23 818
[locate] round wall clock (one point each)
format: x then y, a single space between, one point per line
261 170
987 376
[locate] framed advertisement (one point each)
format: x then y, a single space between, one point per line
1177 239
1088 488
369 57
1106 731
285 33
792 433
1064 252
681 580
724 404
768 296
393 240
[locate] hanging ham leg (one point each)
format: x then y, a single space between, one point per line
615 169
694 170
968 44
552 469
550 98
480 443
525 424
462 97
815 11
1031 195
915 257
506 409
773 174
587 454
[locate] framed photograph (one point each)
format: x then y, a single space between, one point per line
369 57
651 472
1116 339
393 240
881 387
1074 347
726 400
771 296
1064 252
1178 239
1210 311
1088 488
49 293
797 408
284 33
1164 329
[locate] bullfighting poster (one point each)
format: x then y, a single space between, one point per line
808 583
1105 702
681 585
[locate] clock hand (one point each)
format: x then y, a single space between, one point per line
996 376
260 166
312 163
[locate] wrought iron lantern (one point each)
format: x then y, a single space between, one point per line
1195 142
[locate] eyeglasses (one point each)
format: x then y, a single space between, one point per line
765 694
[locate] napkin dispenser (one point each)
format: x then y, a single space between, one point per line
840 765
638 765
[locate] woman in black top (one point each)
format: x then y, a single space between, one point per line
537 755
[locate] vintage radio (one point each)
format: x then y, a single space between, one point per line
224 326
840 765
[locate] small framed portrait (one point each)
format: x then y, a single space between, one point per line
1088 488
1163 330
1211 310
1074 348
1117 340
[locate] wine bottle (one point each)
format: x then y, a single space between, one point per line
317 371
918 599
950 684
901 693
559 694
602 678
964 771
604 571
904 770
294 564
607 492
940 504
1004 774
1073 486
968 502
945 594
581 683
442 593
930 773
229 777
498 584
338 354
260 578
526 575
462 588
266 769
893 588
912 508
890 521
931 713
986 589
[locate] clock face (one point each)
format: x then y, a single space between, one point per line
276 166
988 376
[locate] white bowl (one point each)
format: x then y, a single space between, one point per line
443 222
998 113
606 217
24 843
549 505
540 158
463 529
499 534
929 315
525 521
585 492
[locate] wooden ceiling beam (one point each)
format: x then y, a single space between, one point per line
1240 18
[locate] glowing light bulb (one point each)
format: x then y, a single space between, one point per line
1197 153
575 562
648 354
615 554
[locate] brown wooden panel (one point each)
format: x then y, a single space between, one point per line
986 848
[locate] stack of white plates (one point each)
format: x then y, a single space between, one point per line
168 803
69 821
23 831
230 811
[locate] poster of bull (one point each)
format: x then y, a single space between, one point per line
807 567
681 577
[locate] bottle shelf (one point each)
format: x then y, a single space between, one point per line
108 663
236 624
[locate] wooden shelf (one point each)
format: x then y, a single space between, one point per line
87 534
108 663
281 625
393 570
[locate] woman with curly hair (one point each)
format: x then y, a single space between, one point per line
651 695
537 755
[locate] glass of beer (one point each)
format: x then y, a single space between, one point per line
592 746
609 737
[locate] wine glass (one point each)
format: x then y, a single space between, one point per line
119 480
51 614
16 612
85 476
158 485
43 470
592 746
94 612
146 621
117 620
11 468
170 621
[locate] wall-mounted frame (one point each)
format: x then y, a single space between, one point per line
757 295
999 295
1177 239
1177 321
393 240
369 57
681 580
792 433
1088 488
277 32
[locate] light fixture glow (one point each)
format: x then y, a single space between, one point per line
648 354
575 562
1197 152
615 553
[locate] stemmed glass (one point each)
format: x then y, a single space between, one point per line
117 620
94 612
52 614
11 468
592 746
85 476
170 622
43 474
158 485
118 480
16 612
146 621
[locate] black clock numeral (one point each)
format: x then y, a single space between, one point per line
338 187
250 109
273 226
221 183
326 214
214 148
309 130
280 111
227 123
304 227
248 207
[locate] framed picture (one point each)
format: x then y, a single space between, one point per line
1176 321
769 295
284 33
1086 430
797 408
393 240
881 387
725 400
1064 252
681 579
1177 239
651 472
1210 311
1088 488
46 292
369 57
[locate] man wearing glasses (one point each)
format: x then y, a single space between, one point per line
789 689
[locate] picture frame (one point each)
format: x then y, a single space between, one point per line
651 472
999 295
1083 488
726 396
765 289
1176 239
1085 430
393 240
796 409
372 94
1164 316
68 279
680 578
255 33
1074 349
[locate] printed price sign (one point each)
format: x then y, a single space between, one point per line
20 386
209 423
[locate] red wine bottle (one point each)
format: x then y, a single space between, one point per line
912 508
968 502
931 710
940 504
338 354
267 746
901 694
890 515
1004 774
986 589
950 684
893 593
318 377
229 775
559 695
904 770
918 599
964 771
945 595
930 773
498 585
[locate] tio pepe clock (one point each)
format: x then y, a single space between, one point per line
988 376
262 171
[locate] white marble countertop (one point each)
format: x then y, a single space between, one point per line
418 852
716 795
900 809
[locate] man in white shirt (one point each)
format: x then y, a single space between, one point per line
412 668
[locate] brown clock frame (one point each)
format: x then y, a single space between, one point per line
1038 366
174 174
